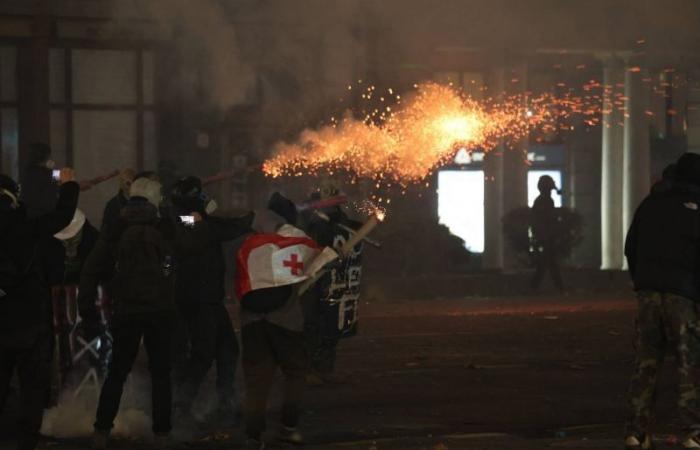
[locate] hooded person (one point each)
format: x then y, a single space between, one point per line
67 253
332 298
39 188
139 251
110 216
200 296
544 235
663 254
271 264
26 318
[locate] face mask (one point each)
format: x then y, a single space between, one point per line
211 207
50 164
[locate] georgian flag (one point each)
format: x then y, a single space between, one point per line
272 260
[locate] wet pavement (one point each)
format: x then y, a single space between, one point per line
473 373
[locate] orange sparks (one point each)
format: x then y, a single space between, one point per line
423 133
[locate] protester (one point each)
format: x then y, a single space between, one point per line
39 185
66 256
544 235
140 249
323 305
26 329
200 295
114 206
272 322
662 254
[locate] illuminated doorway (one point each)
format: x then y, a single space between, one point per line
461 206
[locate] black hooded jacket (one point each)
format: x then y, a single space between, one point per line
26 311
663 242
102 261
200 259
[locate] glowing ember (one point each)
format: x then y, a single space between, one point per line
405 144
371 209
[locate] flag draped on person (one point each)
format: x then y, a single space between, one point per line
268 260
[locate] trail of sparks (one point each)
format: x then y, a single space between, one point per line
405 144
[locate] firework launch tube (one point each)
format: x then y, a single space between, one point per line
352 232
355 239
87 184
323 203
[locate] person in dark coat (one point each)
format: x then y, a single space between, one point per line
66 256
544 234
26 318
322 306
272 336
663 254
110 216
140 250
201 294
39 189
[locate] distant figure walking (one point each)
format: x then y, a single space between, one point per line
544 235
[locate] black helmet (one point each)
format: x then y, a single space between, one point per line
688 169
187 194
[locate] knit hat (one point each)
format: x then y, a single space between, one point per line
149 189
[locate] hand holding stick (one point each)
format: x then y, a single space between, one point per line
362 233
88 184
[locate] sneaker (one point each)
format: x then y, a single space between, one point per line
642 442
100 439
254 444
692 441
290 436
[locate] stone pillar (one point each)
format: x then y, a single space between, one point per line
493 189
515 163
612 235
33 87
637 172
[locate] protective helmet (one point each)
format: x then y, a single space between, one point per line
546 183
688 169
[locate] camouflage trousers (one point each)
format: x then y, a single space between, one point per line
666 323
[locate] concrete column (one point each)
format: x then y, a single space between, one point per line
33 87
637 172
493 189
515 163
612 236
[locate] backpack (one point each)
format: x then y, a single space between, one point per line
143 280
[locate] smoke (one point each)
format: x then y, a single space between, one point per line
207 44
74 416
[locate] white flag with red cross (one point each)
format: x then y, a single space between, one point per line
271 260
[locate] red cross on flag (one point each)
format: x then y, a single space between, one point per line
271 260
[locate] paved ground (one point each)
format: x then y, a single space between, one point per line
522 373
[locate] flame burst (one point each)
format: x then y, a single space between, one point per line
406 145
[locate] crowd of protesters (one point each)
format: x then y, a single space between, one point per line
158 257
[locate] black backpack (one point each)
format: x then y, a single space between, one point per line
143 280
